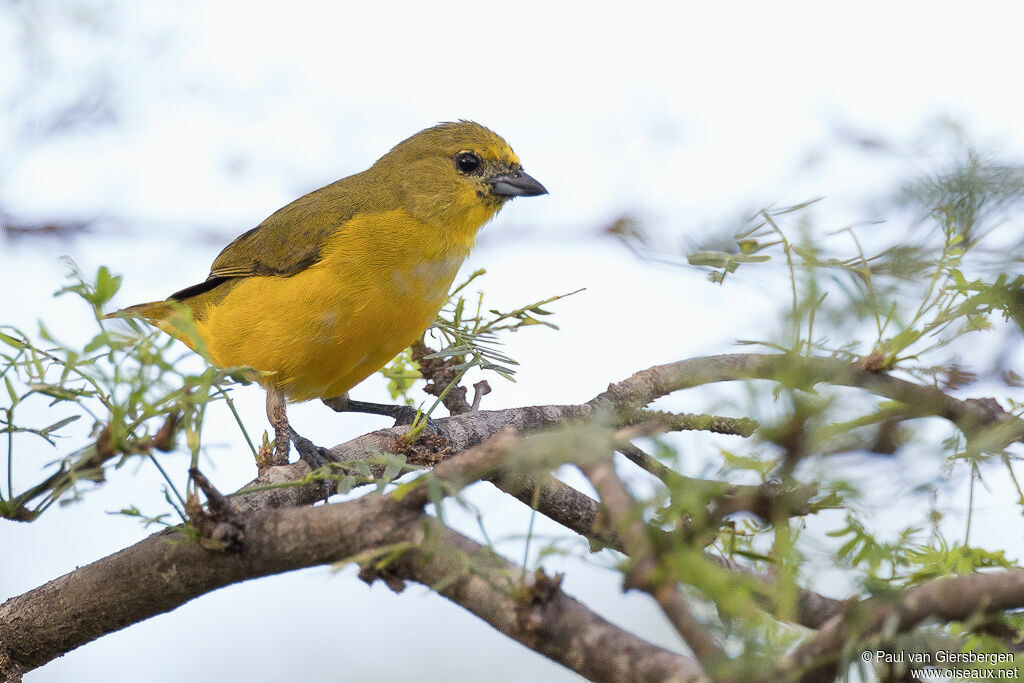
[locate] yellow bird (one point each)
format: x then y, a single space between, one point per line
331 287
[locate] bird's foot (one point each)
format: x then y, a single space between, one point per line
314 456
406 415
402 415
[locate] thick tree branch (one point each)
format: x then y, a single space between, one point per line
464 431
635 392
971 415
541 616
157 575
556 500
169 569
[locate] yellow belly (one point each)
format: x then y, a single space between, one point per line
328 327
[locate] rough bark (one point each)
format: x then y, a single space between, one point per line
168 569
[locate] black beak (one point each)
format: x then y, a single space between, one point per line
515 184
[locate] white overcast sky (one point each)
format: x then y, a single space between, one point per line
683 113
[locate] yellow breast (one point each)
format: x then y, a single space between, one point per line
380 282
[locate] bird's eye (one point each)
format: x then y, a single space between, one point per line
467 162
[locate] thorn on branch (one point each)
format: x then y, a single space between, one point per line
220 526
544 587
265 455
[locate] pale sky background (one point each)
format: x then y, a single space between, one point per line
214 114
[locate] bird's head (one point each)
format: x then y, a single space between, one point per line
456 175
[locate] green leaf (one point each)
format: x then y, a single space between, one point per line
106 286
395 464
714 259
436 494
11 341
346 483
10 391
60 423
99 341
58 392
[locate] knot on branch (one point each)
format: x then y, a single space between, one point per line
635 392
480 389
220 525
368 574
988 409
538 593
427 450
873 362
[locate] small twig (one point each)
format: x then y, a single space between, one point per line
666 474
220 524
480 389
728 499
643 573
651 422
579 512
440 373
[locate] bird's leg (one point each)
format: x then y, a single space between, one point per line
401 414
278 417
284 435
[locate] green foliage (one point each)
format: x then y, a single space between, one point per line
471 333
401 374
471 337
905 560
129 387
940 303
